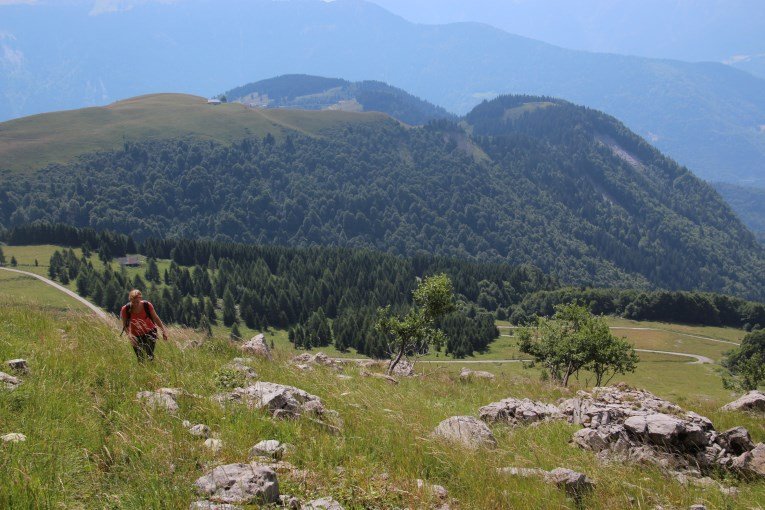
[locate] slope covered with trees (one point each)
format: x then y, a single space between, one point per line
519 180
317 93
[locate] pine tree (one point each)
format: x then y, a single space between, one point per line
204 326
235 334
2 256
229 308
152 271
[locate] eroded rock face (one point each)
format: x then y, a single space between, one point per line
467 430
258 347
513 411
736 440
467 374
164 398
8 381
280 400
754 401
239 484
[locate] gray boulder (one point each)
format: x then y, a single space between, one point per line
754 401
751 463
200 430
19 366
270 448
467 374
8 381
280 400
209 505
466 430
240 484
164 398
735 440
574 483
404 368
306 360
258 347
322 504
513 411
241 365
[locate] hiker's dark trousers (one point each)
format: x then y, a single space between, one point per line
144 347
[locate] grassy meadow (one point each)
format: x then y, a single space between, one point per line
90 444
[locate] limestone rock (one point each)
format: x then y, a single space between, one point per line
9 382
751 463
270 448
20 366
289 502
736 440
13 437
215 445
163 397
404 368
306 360
322 504
467 374
437 491
241 365
466 430
514 411
200 430
753 401
280 400
239 484
258 347
574 483
209 505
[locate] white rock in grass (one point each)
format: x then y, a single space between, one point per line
753 401
467 374
209 505
163 397
215 445
13 437
240 484
8 381
322 504
269 448
20 366
200 430
257 346
466 430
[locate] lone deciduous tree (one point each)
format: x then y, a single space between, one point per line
573 340
413 332
745 365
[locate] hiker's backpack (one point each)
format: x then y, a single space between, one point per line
127 314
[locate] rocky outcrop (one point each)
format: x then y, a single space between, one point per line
404 368
280 400
9 382
257 346
633 425
467 374
754 401
751 463
514 411
209 505
466 430
164 398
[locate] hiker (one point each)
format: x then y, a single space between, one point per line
140 321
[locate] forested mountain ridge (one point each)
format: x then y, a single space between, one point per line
318 93
520 179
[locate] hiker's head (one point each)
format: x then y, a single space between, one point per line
135 295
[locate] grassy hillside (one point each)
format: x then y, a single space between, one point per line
32 142
90 444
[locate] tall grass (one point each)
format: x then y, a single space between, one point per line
90 444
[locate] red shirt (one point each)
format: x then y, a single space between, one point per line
140 323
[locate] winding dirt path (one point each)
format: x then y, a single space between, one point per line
98 311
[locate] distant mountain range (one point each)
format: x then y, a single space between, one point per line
317 93
707 116
520 179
